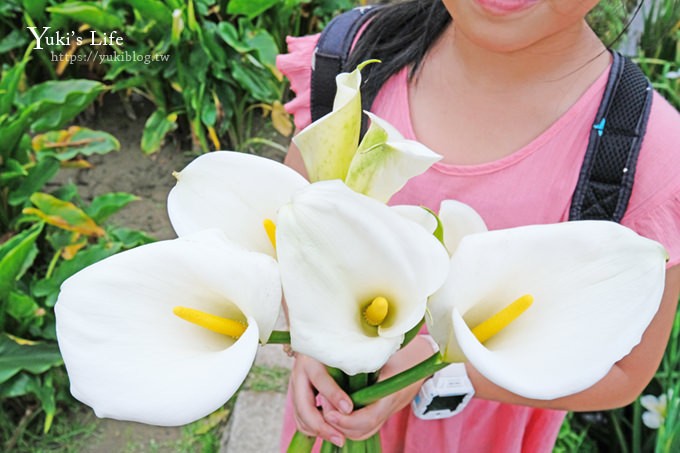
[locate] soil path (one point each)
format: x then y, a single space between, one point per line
129 170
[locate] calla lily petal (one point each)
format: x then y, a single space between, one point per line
338 250
234 192
385 161
129 357
328 144
417 214
596 287
459 220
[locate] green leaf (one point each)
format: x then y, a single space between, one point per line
208 112
13 40
103 206
249 8
35 8
211 46
21 306
12 133
76 141
36 179
264 45
130 238
88 13
63 214
12 171
46 395
19 385
154 10
257 83
16 256
156 128
9 85
34 358
55 103
49 287
229 34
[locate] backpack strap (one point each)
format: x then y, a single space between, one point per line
331 55
606 179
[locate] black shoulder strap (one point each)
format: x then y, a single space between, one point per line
606 179
331 54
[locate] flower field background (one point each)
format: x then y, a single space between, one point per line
88 142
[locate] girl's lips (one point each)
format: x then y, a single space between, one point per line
503 7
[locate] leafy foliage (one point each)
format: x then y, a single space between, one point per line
207 66
44 237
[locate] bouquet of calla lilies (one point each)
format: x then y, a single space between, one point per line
166 333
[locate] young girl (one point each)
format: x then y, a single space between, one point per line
506 91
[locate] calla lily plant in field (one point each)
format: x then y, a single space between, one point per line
166 333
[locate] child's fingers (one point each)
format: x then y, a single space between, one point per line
307 416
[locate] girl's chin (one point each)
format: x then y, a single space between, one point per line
505 7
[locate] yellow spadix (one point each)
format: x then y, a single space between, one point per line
499 321
214 323
376 312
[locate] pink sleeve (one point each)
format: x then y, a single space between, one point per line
296 65
662 223
654 209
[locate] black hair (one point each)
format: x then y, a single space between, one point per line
399 35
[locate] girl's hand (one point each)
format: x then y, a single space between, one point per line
309 378
363 423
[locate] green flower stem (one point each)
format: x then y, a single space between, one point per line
354 446
338 376
301 443
397 382
329 447
614 418
373 443
279 337
357 382
637 428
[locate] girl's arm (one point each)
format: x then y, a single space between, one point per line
294 160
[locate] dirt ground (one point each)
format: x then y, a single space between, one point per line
129 170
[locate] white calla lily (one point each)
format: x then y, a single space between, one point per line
596 286
379 166
418 214
385 161
328 145
129 357
459 220
234 192
340 253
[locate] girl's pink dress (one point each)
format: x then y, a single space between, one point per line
533 185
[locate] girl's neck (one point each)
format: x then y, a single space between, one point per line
461 89
555 58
